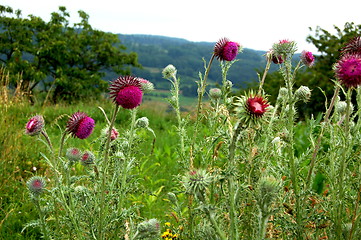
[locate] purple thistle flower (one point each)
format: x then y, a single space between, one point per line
277 59
225 50
353 46
256 106
307 58
80 125
36 185
34 125
348 70
126 92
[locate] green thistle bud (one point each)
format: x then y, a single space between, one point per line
215 93
148 229
169 72
303 93
282 94
87 158
73 154
341 107
267 190
36 185
142 122
196 182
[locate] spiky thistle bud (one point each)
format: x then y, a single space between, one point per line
169 72
282 94
284 48
196 182
146 86
73 154
215 93
142 122
87 158
303 93
36 185
148 229
35 125
267 190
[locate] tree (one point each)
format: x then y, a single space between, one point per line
71 59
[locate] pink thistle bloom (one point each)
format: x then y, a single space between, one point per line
126 92
80 125
87 158
34 125
114 134
348 70
353 46
36 185
225 50
307 58
256 106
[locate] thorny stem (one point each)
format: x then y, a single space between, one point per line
47 140
318 143
355 216
42 221
103 212
219 231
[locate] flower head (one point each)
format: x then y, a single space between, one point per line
34 125
307 58
87 158
145 85
353 46
256 106
348 70
284 48
73 154
126 92
215 93
225 50
169 72
196 182
36 185
80 125
303 93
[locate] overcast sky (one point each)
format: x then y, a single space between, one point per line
255 24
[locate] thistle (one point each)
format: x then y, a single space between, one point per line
307 58
303 93
145 85
284 48
35 125
353 46
348 70
169 72
73 154
196 182
215 93
36 185
225 50
87 158
148 229
126 91
80 125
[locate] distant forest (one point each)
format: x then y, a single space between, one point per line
156 52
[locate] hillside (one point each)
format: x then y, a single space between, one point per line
156 52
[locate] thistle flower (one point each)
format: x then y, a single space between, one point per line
307 58
277 59
34 125
284 48
87 158
215 93
145 85
169 72
36 185
196 183
348 70
225 50
73 154
353 46
126 92
303 93
148 229
256 106
80 125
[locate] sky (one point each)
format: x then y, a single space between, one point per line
255 24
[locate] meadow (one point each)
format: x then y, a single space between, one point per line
230 167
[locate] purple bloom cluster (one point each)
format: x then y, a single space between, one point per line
80 125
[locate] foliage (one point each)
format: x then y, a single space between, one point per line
68 60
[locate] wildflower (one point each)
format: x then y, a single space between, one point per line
80 125
196 183
73 154
215 93
307 58
36 185
353 46
34 125
225 50
87 158
256 106
148 229
169 72
303 93
126 92
284 48
348 70
145 85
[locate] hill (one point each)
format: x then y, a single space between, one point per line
156 52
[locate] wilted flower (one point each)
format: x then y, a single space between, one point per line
126 92
34 125
87 158
148 229
169 72
80 125
215 93
145 85
303 93
348 70
353 46
307 58
73 154
225 50
36 185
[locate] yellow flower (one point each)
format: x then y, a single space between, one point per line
167 224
